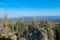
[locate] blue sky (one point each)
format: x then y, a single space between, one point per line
18 8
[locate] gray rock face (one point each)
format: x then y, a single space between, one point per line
44 34
36 34
14 37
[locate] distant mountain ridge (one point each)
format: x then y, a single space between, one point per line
29 18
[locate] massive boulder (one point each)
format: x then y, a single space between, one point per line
33 34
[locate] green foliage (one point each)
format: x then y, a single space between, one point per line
51 28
